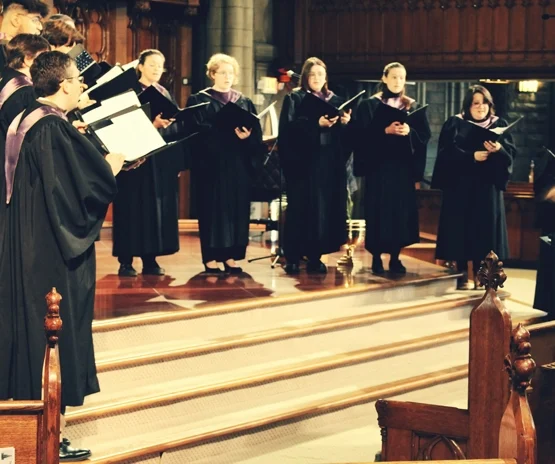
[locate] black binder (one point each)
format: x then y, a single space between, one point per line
232 116
471 137
313 108
160 104
119 84
385 115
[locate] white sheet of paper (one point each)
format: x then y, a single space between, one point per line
131 64
111 74
112 106
7 455
131 134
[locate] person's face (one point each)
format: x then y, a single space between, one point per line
317 78
72 85
29 23
395 79
224 77
153 68
479 108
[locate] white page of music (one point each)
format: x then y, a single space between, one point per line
112 106
131 134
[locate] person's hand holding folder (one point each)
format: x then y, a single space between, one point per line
161 123
492 147
481 155
396 128
346 117
326 121
243 133
115 160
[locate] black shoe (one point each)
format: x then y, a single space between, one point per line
127 270
69 454
377 266
157 271
232 269
396 267
317 267
292 268
212 270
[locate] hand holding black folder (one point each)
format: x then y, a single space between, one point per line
232 116
313 108
386 115
472 137
159 104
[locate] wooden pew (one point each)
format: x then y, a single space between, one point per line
414 431
33 427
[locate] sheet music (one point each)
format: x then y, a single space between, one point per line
501 130
131 134
7 455
112 106
131 64
266 110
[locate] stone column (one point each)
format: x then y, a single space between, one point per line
230 30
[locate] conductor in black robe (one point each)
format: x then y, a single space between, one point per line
392 159
145 211
313 154
58 190
544 189
472 219
223 165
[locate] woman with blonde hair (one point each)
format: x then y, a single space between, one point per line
392 159
222 166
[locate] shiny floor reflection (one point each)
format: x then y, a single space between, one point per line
186 286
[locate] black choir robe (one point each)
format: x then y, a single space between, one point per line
14 105
62 189
145 211
313 160
223 167
472 219
391 166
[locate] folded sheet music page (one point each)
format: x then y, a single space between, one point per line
112 106
131 134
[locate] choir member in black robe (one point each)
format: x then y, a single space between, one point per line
392 160
20 17
544 189
145 211
223 163
16 94
472 219
313 155
59 188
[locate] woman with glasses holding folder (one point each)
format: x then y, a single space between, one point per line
145 211
391 155
313 149
224 154
472 173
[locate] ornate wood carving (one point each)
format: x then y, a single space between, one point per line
426 452
491 273
519 364
52 322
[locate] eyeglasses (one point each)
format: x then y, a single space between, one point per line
81 79
34 18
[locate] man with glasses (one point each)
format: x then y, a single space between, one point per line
20 17
58 188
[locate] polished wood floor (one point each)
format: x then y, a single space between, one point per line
186 286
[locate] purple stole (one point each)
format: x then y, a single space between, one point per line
14 140
13 86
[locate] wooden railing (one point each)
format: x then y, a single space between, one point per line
498 422
32 428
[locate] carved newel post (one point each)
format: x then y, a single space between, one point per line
488 321
517 434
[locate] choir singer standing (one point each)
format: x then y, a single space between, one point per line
223 163
313 154
472 219
392 157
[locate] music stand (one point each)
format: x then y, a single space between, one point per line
271 224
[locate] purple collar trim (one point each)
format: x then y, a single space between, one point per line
223 97
12 86
14 140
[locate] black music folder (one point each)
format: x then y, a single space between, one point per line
472 137
313 108
232 116
159 104
122 82
385 115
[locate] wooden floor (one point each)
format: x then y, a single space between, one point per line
186 286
